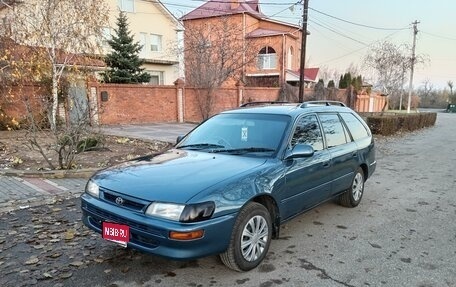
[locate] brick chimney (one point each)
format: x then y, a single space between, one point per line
235 4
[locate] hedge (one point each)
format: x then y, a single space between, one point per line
389 124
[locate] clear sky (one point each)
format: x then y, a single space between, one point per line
336 44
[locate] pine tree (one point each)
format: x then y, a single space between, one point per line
331 84
124 65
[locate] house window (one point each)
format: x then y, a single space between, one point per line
143 43
106 36
157 77
267 59
126 5
290 59
155 42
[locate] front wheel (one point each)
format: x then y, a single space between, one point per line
250 238
352 197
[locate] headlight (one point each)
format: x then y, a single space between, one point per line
183 213
165 210
197 212
93 189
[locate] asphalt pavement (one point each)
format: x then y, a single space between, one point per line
19 191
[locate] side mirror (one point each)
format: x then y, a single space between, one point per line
300 151
179 138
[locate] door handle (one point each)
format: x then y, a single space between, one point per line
326 164
355 154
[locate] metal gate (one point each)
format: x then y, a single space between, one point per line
78 104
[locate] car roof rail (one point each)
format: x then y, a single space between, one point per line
323 102
259 103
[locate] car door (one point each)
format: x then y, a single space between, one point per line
343 151
307 180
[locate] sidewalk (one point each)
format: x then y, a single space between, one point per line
18 191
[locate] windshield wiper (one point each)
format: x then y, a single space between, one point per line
244 150
201 146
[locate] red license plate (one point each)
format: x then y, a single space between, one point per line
119 233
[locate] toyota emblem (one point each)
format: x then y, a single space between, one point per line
120 200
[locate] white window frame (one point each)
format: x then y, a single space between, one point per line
143 41
290 58
106 36
156 42
159 74
126 5
267 59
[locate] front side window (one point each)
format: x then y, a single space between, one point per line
126 5
333 129
155 42
267 59
308 131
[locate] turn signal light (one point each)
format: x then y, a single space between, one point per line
186 235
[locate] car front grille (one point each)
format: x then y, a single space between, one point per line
128 202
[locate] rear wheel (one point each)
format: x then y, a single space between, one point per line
250 238
352 197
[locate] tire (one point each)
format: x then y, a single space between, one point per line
254 220
352 197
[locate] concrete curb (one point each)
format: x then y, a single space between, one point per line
77 173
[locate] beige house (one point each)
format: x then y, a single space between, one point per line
157 30
152 25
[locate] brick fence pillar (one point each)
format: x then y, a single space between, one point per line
240 91
180 84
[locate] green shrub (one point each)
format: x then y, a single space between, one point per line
87 144
389 124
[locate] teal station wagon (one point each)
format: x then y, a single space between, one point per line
228 185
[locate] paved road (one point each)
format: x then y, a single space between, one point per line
402 234
167 132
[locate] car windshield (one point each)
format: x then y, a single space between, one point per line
238 134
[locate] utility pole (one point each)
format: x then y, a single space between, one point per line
412 64
303 50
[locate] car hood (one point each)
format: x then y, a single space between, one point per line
175 175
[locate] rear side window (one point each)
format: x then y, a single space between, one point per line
333 130
356 128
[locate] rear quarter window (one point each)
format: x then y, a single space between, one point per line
356 128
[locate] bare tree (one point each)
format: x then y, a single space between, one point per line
389 63
450 85
63 28
215 52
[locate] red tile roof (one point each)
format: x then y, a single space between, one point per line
214 8
310 74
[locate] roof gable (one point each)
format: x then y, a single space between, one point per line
214 8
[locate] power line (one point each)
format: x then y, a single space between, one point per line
357 50
339 33
358 24
438 36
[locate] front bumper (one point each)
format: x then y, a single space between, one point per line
152 234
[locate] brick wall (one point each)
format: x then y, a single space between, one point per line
14 100
128 103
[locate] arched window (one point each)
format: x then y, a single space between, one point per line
290 58
267 58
